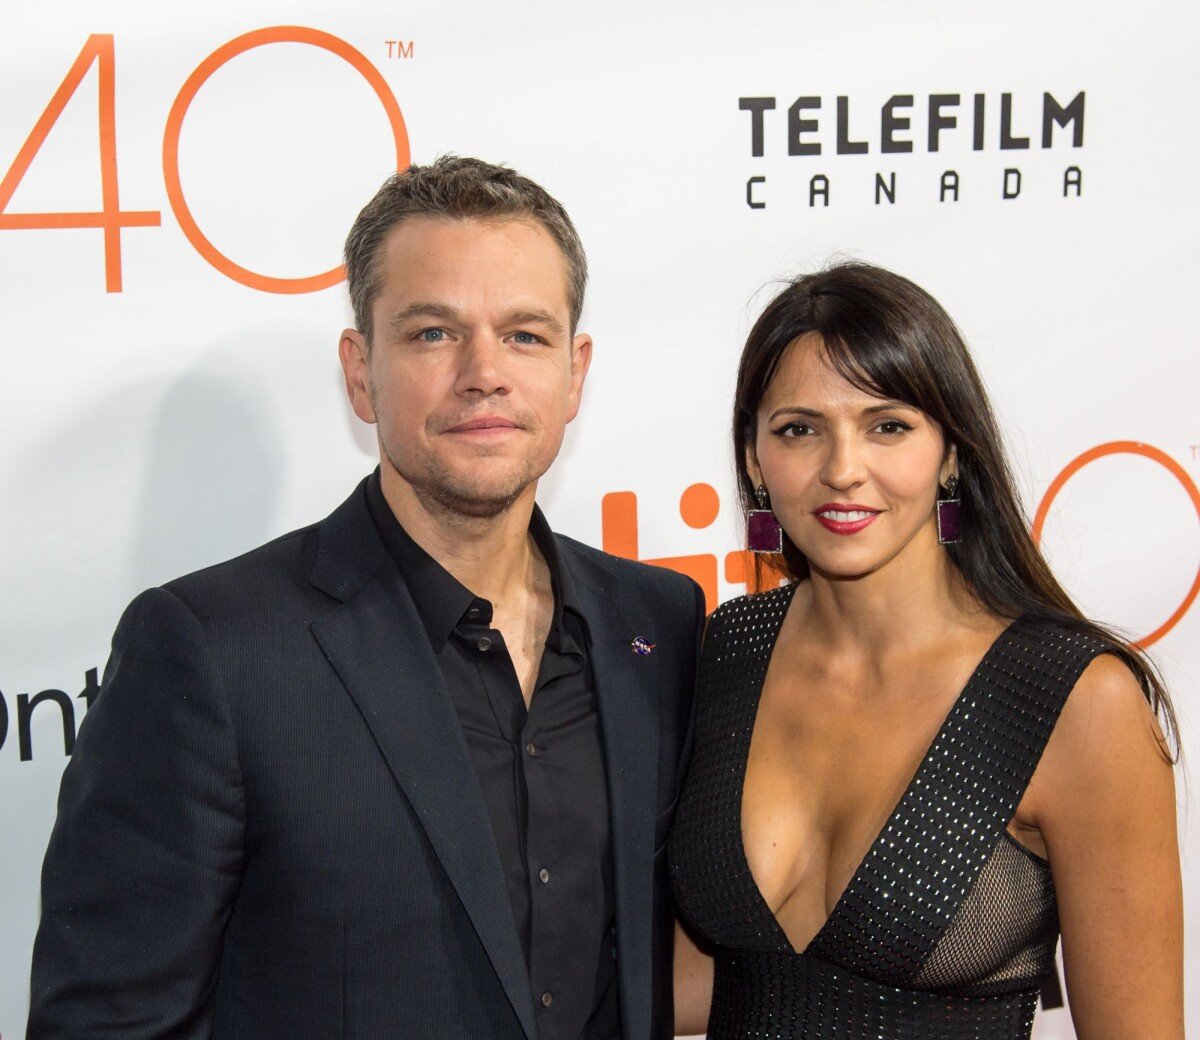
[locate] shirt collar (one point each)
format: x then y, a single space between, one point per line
441 599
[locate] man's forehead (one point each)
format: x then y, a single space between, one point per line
420 232
511 264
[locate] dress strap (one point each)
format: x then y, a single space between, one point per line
926 859
715 890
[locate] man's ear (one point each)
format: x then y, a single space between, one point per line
581 360
355 356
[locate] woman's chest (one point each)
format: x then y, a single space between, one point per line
822 778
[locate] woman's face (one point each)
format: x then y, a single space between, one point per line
853 479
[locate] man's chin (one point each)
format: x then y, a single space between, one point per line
474 500
475 492
477 507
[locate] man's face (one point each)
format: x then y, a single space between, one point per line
471 374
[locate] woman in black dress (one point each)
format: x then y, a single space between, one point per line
916 761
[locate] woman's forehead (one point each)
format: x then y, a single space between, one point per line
807 371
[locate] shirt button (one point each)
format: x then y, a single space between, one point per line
484 644
531 749
547 999
544 876
473 613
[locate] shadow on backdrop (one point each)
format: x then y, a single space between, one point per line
213 473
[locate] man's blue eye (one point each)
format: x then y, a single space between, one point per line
432 335
525 337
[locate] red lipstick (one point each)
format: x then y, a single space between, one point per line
844 518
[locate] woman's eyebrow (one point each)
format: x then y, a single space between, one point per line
813 413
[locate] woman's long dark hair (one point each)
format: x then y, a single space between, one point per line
890 338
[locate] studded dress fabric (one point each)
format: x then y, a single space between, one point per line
949 926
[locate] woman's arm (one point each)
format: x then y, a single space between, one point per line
1103 798
693 985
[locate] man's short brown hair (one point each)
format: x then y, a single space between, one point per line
456 188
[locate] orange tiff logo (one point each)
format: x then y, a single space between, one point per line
698 508
699 505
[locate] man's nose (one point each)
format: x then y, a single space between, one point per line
482 367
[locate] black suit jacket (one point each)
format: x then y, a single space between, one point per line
270 827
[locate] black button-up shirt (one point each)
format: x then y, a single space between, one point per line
542 774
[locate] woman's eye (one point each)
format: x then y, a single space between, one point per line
795 429
893 426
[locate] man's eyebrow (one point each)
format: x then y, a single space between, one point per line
813 413
443 312
534 317
422 310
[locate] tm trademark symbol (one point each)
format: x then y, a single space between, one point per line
399 48
1195 449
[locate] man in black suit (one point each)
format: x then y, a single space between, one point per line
408 772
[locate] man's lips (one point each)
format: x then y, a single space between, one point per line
483 426
844 518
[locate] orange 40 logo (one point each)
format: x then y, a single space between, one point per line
111 218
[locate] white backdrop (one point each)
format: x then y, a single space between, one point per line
189 416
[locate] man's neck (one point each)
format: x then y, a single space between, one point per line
493 556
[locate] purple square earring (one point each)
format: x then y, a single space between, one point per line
949 518
763 533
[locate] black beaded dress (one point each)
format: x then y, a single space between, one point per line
949 926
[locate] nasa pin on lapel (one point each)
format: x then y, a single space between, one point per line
641 647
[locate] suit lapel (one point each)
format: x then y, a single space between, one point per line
381 653
629 722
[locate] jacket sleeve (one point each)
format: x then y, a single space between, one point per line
146 853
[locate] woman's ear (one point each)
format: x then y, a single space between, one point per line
752 469
949 465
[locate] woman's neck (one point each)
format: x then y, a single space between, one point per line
916 599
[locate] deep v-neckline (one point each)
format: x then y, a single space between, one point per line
905 797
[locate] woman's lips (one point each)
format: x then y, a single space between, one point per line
844 519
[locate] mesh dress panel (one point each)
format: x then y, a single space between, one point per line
1005 932
947 927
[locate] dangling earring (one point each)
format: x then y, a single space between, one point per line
763 533
949 519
